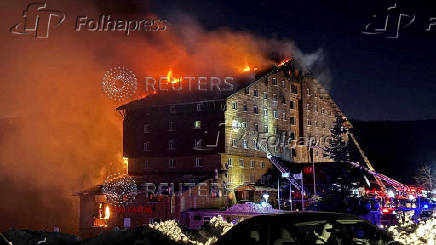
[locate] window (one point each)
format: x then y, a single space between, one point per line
283 84
308 92
234 143
247 90
171 163
265 112
308 106
252 164
252 179
171 126
292 120
155 220
245 107
171 145
292 135
316 123
291 104
284 117
309 122
293 152
294 89
276 131
256 128
265 128
274 81
146 164
147 146
262 164
198 162
234 105
199 107
284 101
322 110
243 124
255 93
276 114
265 95
172 109
229 163
255 110
197 124
198 143
229 178
315 107
241 163
275 97
245 144
146 128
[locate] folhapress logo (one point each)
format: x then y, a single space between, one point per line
38 19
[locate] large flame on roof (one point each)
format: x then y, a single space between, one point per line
171 78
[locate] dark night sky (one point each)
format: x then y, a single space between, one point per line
373 77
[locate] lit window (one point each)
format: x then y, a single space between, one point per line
171 144
316 107
146 128
199 107
252 164
171 126
276 114
262 164
234 143
198 162
171 163
274 81
284 117
265 95
245 144
234 105
241 163
265 128
265 112
308 106
229 163
147 146
197 124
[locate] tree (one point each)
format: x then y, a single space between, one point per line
337 147
425 177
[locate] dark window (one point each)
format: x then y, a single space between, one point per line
255 93
245 107
247 90
291 104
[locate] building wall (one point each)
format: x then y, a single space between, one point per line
317 118
148 132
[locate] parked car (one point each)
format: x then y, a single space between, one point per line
305 228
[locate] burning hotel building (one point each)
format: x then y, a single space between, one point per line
206 150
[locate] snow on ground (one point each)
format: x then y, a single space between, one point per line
409 232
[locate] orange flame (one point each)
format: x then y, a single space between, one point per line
107 213
246 67
171 78
283 62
